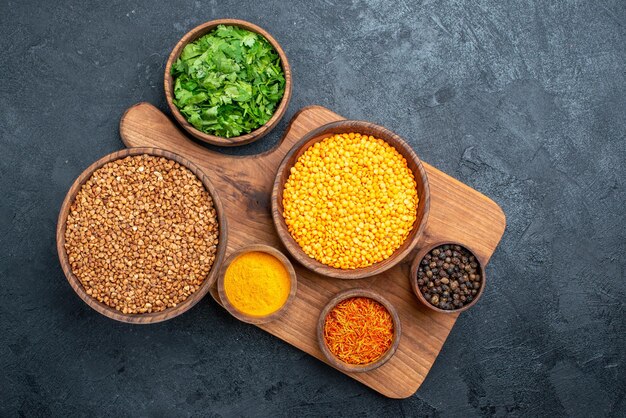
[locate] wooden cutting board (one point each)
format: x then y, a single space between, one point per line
244 183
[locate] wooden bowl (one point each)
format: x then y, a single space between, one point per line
146 318
168 83
242 316
352 293
413 278
317 135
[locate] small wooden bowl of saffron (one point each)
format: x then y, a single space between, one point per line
246 317
332 359
168 83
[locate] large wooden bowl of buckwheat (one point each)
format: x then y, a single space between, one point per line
141 235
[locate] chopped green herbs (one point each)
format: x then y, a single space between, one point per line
228 82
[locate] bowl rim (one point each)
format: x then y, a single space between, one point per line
317 135
75 283
168 84
416 290
352 293
242 316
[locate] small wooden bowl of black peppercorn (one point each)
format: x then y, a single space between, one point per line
447 277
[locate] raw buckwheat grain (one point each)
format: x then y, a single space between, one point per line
142 234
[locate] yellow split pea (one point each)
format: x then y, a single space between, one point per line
350 201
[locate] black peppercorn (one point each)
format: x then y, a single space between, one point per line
449 277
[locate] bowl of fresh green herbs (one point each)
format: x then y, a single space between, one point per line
227 82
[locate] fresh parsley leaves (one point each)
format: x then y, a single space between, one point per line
228 82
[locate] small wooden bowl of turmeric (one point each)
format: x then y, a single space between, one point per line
256 284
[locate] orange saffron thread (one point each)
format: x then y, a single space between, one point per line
358 330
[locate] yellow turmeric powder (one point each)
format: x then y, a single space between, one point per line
257 283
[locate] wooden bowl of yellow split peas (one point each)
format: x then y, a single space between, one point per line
350 200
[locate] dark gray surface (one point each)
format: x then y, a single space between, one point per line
524 101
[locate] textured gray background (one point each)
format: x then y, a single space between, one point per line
522 100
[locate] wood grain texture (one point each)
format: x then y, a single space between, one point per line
168 84
319 134
147 318
359 368
242 316
457 213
